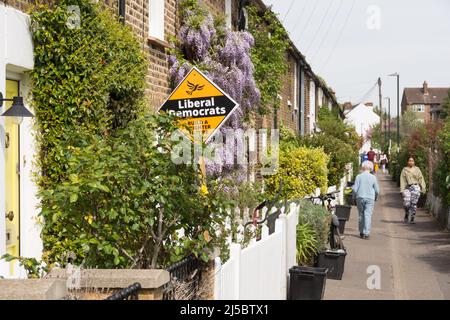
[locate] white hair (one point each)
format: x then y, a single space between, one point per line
367 166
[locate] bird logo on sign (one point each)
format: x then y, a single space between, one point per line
193 88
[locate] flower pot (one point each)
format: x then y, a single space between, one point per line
307 283
343 211
334 261
342 225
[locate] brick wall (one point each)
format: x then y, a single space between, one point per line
216 6
287 116
425 116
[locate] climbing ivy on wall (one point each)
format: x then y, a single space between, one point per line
268 55
89 77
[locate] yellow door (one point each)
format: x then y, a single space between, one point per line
12 177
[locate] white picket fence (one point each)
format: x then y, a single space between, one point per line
261 270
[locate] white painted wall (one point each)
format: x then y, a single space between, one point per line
312 109
362 118
320 96
16 57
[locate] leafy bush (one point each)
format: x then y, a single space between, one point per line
301 169
332 125
124 200
339 152
91 80
318 219
306 244
442 176
268 55
35 269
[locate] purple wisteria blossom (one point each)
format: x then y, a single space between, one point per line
226 59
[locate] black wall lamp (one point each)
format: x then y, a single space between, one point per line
17 111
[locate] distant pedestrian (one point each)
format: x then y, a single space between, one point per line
365 192
383 162
412 184
363 156
371 155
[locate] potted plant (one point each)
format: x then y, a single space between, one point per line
307 282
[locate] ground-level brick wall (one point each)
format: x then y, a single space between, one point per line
207 281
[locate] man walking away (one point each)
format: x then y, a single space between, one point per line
365 191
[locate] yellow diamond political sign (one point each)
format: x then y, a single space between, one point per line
200 105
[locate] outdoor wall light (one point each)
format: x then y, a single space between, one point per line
17 111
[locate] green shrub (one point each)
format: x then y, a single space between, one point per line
268 55
125 199
306 244
302 171
88 79
339 152
318 219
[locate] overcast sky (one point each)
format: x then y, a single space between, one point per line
350 43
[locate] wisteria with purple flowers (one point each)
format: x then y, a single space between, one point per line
224 56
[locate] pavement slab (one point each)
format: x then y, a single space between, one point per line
413 260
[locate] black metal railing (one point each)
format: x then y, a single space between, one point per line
128 293
185 277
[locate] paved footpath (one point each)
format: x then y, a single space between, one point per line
414 260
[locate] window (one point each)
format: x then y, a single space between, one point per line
156 17
228 13
418 108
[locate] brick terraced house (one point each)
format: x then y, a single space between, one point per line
154 22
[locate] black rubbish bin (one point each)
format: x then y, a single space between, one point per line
343 211
307 283
334 261
342 225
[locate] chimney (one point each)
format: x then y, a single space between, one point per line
348 106
425 88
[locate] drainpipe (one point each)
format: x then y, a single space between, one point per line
122 11
302 99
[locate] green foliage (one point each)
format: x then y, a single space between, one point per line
306 244
91 78
109 192
333 129
268 55
125 199
339 152
409 124
301 169
442 174
330 124
417 144
35 269
317 218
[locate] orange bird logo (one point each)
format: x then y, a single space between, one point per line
193 88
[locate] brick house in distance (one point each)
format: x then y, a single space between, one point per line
426 102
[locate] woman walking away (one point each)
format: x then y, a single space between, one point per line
365 191
412 184
383 162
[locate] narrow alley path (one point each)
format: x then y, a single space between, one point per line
414 260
